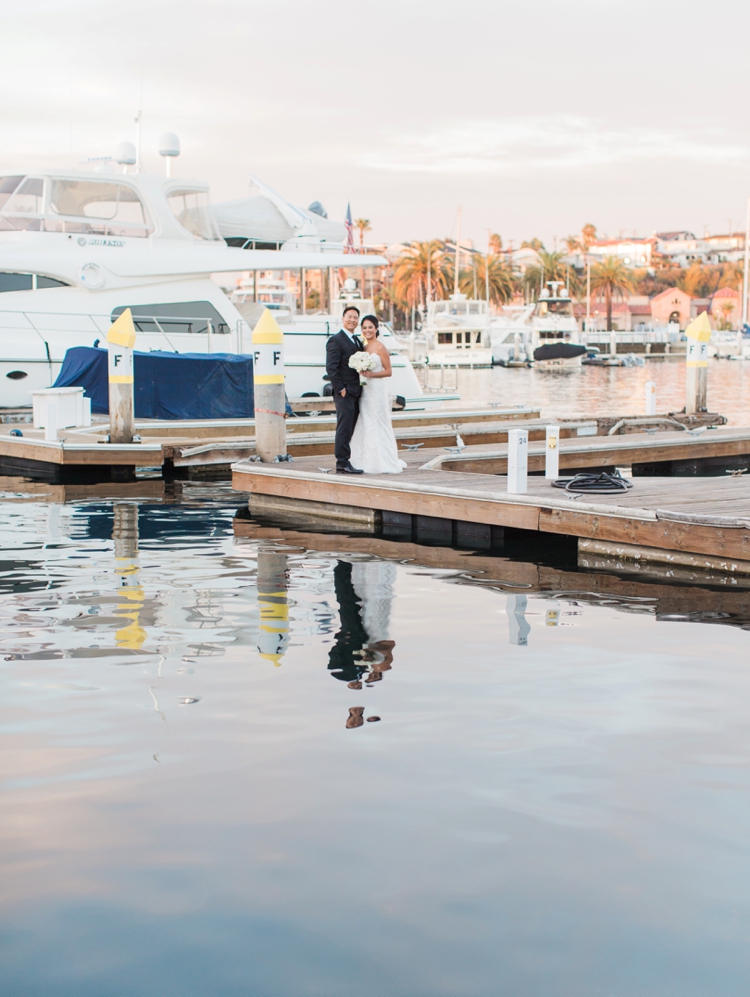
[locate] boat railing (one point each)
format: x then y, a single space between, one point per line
45 323
424 369
651 334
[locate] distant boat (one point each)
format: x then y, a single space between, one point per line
554 330
457 331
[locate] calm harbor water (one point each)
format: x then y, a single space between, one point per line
553 802
591 391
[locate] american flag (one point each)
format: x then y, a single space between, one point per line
349 230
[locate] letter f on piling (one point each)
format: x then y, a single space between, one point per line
268 383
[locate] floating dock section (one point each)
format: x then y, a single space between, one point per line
701 522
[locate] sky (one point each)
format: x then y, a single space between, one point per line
534 118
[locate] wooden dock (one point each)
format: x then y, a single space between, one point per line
694 522
182 450
177 447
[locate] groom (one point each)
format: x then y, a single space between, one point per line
346 387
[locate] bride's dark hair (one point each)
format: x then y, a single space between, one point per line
371 318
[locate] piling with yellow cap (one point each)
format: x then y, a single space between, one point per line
268 383
698 335
120 345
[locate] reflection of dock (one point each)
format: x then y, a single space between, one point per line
693 521
667 591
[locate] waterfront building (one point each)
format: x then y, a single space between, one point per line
671 306
632 252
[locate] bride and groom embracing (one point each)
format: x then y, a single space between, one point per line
365 442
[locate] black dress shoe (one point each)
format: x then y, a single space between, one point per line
347 469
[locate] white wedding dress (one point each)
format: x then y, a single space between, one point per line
373 444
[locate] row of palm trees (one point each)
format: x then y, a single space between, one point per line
425 271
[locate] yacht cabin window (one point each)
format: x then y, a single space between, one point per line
564 308
27 282
192 210
98 207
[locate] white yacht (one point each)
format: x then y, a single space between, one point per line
78 247
511 336
457 331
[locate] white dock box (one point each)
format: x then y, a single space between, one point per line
61 407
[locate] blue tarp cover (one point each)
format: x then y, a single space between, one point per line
168 385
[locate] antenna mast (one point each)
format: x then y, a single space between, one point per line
458 243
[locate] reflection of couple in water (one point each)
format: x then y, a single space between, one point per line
362 650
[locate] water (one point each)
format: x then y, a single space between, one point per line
553 802
564 392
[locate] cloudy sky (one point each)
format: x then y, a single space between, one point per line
534 117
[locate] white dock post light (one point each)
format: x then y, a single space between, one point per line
120 344
169 148
650 397
518 460
268 383
552 452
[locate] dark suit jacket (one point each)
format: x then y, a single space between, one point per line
338 350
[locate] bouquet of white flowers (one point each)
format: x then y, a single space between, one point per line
362 361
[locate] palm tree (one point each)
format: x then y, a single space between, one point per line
588 235
500 279
732 276
496 243
699 280
549 267
610 278
422 273
363 224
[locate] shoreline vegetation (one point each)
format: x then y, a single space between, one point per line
425 271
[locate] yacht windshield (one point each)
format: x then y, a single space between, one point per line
555 308
7 186
102 207
21 203
192 210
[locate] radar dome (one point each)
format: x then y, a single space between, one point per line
125 154
169 144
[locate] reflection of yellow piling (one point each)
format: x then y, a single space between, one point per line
125 536
273 604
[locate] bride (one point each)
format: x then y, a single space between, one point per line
373 442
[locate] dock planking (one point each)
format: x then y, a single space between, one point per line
186 449
708 517
684 447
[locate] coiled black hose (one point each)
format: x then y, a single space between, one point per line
594 483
